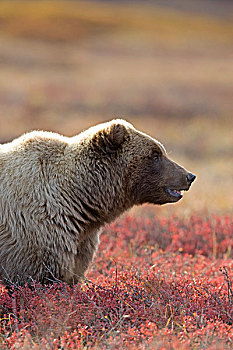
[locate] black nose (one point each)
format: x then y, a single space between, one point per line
191 177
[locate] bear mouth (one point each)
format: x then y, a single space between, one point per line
176 194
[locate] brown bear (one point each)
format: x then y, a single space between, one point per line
56 192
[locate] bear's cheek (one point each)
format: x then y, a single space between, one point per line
148 185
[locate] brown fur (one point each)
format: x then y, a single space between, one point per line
56 193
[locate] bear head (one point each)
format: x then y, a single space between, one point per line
148 175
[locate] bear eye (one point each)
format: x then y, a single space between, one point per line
156 157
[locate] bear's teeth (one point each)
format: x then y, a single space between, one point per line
176 191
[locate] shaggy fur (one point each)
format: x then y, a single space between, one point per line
56 192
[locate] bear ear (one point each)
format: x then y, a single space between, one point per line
111 138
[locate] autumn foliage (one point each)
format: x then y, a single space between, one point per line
156 283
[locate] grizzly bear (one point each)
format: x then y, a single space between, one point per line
56 192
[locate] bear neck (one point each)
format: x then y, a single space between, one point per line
98 196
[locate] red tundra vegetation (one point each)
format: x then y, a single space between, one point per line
156 283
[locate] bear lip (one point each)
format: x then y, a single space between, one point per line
175 192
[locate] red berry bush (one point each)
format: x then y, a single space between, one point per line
158 283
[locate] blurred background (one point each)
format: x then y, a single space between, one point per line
165 66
